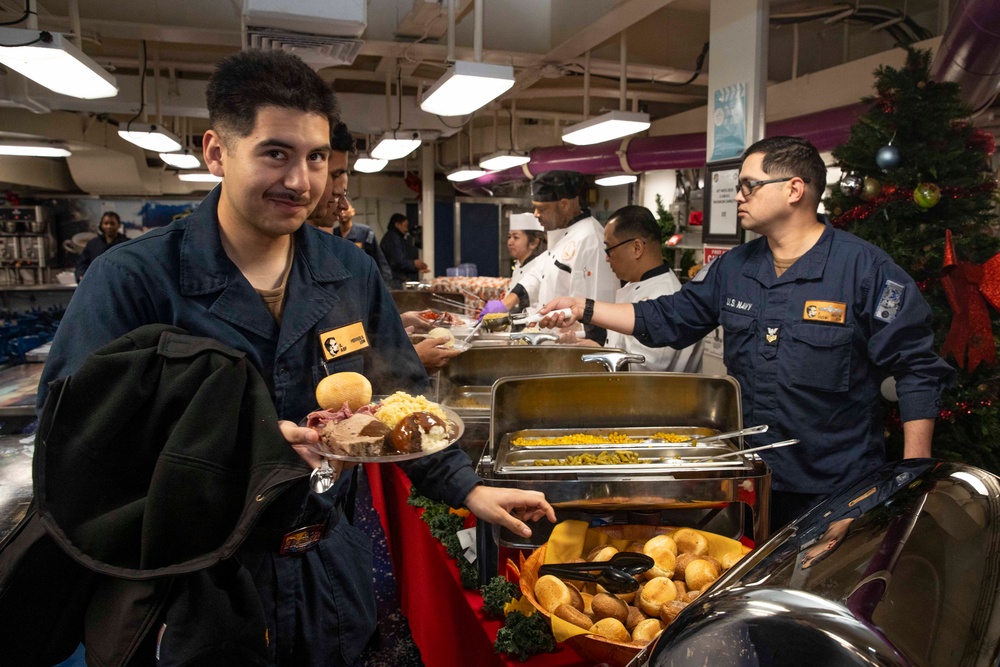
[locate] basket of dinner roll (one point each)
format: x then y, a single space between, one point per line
613 628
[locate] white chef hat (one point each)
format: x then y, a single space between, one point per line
524 222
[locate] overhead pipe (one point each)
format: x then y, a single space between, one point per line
968 54
825 129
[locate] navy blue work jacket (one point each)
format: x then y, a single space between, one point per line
320 604
810 350
363 236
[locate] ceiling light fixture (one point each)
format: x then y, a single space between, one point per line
391 147
608 126
50 60
504 159
465 173
620 179
467 86
366 164
199 177
34 150
182 160
151 137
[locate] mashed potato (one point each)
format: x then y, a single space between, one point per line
393 408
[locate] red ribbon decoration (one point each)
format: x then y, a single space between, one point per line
966 284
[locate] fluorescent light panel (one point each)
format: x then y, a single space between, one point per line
151 137
504 160
608 126
199 177
465 173
182 160
34 150
393 146
366 164
620 179
466 86
56 63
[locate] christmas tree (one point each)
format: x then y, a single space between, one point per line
917 183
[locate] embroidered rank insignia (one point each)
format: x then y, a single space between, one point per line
702 273
360 244
890 302
343 340
772 335
824 311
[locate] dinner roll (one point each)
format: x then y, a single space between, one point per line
681 587
699 573
655 593
635 616
647 630
669 611
635 546
576 598
441 332
663 563
346 387
690 541
601 554
580 585
551 592
628 598
574 616
608 606
680 565
660 542
691 596
611 628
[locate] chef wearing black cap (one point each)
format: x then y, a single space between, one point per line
574 263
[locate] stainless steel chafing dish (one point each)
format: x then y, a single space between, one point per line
898 569
465 384
674 490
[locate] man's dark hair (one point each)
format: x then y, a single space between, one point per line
396 218
246 81
341 139
111 214
636 222
792 156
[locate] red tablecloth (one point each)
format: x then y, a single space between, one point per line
446 620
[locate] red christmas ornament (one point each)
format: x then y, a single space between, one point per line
965 285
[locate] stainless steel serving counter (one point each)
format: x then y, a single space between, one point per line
15 481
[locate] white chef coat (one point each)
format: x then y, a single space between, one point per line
573 265
655 283
519 271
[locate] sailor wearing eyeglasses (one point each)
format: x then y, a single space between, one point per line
814 320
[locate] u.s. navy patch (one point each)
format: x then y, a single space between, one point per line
890 302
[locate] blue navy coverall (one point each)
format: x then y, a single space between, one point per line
320 605
806 378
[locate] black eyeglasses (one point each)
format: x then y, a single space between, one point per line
607 251
747 187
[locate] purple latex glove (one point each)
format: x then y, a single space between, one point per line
494 306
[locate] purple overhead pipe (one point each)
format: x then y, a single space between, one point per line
825 129
969 54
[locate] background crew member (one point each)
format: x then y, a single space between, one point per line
244 270
110 234
632 242
809 374
402 255
574 263
525 243
335 212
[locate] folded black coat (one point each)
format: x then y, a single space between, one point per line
153 464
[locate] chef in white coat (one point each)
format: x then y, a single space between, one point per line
632 247
574 263
526 244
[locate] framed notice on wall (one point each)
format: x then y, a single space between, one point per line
721 225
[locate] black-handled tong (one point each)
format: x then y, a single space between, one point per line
616 575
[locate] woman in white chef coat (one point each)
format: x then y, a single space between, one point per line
525 243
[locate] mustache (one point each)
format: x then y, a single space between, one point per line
287 195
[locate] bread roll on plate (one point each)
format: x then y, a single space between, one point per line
346 387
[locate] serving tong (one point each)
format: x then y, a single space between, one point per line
616 575
741 452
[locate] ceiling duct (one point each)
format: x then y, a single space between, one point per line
322 33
